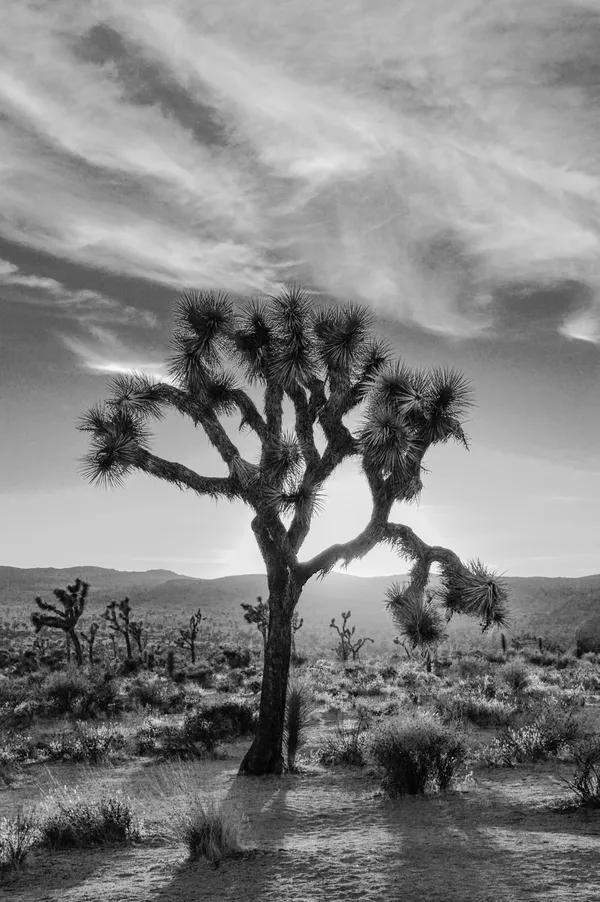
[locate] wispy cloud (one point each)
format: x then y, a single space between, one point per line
415 155
103 351
82 305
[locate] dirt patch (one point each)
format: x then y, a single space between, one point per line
330 835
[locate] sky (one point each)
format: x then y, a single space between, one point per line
437 162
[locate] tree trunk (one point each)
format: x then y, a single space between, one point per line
265 755
127 643
77 647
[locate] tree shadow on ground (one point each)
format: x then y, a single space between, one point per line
331 836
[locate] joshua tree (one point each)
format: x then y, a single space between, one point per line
324 363
89 638
139 634
187 636
418 618
72 600
259 614
118 615
347 647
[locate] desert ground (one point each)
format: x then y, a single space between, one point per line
326 833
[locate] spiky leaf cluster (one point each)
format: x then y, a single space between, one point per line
476 591
417 617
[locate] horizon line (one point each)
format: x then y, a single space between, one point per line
263 574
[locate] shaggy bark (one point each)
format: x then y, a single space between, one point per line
265 755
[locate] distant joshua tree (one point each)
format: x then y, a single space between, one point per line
90 638
189 634
65 618
118 617
259 614
347 646
325 364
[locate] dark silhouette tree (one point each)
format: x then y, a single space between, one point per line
65 618
323 362
90 638
189 634
118 617
259 614
347 646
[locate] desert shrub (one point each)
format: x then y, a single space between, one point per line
8 775
75 823
588 676
66 690
550 678
362 683
382 709
346 745
209 831
416 753
15 690
551 730
516 676
479 710
229 682
156 694
147 738
470 666
18 836
82 695
235 656
92 744
300 707
16 748
586 780
220 721
388 672
202 674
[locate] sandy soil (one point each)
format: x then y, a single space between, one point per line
330 835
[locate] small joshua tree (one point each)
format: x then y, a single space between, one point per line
188 636
347 647
89 638
118 616
419 620
139 634
72 600
259 614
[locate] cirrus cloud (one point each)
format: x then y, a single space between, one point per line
412 155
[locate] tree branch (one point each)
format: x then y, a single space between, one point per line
250 413
200 414
304 425
183 477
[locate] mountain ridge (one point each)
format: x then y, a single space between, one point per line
546 606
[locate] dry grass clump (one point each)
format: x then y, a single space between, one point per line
347 744
586 780
73 821
209 830
18 836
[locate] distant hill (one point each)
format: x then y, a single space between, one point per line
543 606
